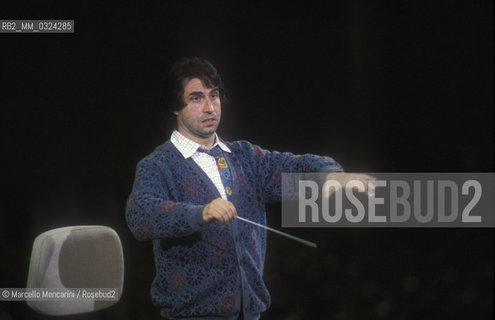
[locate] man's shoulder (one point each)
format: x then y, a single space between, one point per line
244 146
239 145
161 153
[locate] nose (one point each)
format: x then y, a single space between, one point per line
208 106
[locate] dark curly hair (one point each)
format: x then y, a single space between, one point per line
186 69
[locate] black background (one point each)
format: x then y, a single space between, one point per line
381 86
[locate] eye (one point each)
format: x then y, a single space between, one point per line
196 98
214 95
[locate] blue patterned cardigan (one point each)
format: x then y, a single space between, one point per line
201 269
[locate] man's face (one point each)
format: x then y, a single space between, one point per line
199 119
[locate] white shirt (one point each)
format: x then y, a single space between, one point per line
206 162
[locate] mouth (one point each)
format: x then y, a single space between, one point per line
209 121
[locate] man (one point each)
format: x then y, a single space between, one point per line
187 195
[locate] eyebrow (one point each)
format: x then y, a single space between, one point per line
200 93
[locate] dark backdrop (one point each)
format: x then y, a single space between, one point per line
381 86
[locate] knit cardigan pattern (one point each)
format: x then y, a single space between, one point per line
200 267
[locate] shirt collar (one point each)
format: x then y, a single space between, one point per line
187 147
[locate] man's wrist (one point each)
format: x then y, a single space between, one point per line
200 216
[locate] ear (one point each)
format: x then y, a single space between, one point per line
176 113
